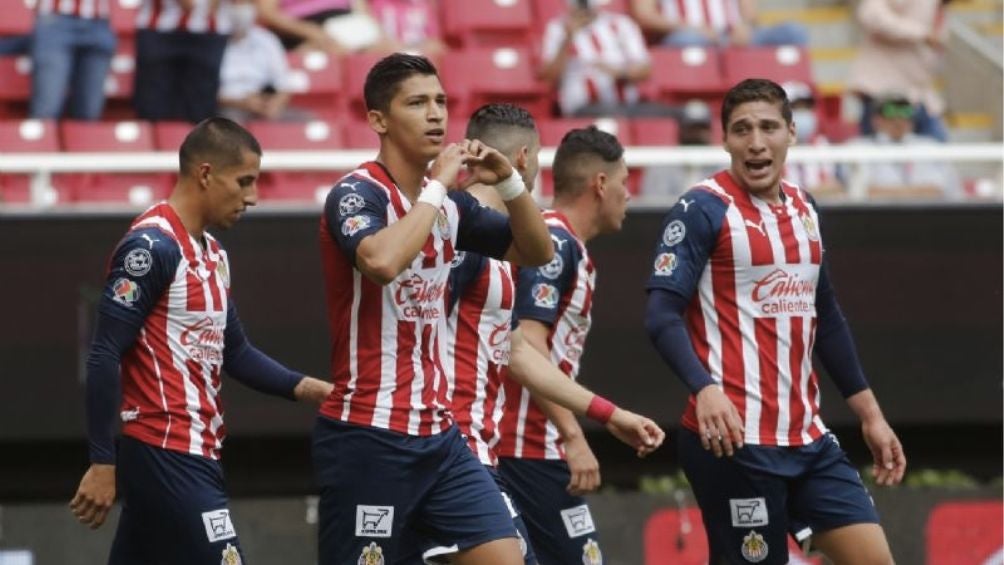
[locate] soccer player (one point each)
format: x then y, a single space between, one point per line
739 299
544 457
166 327
394 471
482 353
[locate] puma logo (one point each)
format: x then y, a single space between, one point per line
686 205
758 227
150 239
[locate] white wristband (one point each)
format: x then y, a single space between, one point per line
511 187
434 193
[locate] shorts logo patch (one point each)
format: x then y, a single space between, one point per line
218 525
352 225
748 512
578 521
675 232
231 556
374 522
754 547
545 295
553 269
591 554
125 292
665 264
350 204
138 262
372 555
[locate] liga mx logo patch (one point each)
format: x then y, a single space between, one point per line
754 548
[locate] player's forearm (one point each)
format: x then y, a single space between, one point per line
387 253
562 418
112 337
262 373
531 369
532 243
865 406
312 390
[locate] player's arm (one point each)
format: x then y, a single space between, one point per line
531 369
139 273
557 46
249 365
688 236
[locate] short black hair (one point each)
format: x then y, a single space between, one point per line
492 123
754 90
578 146
218 140
383 79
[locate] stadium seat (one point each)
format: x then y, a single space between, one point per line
305 186
123 18
168 136
468 23
358 135
779 64
504 74
654 131
682 74
356 68
18 17
15 86
318 84
24 136
139 189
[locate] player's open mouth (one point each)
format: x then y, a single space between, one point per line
758 166
435 135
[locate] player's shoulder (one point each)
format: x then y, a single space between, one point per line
150 240
702 198
353 191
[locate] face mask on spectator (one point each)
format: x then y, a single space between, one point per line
243 16
805 124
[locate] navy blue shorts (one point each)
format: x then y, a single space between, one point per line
174 509
751 501
386 497
560 525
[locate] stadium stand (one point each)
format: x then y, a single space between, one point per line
311 136
487 23
24 136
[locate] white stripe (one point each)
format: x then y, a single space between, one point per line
772 228
350 387
178 302
524 405
551 437
806 373
160 383
718 17
388 361
694 13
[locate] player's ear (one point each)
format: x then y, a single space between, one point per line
522 157
377 121
599 183
204 171
792 137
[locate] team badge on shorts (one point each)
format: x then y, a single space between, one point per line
230 556
138 262
372 555
591 554
675 232
665 264
754 548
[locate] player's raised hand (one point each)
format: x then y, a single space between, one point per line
887 452
720 427
447 165
485 164
95 495
637 431
583 466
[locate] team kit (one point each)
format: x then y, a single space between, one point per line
458 312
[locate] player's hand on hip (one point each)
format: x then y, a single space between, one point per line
719 425
887 451
637 431
485 164
95 495
583 466
447 165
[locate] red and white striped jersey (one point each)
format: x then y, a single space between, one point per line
559 294
168 15
751 269
483 291
389 341
89 9
171 375
719 15
611 40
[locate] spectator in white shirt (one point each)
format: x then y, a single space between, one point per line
682 23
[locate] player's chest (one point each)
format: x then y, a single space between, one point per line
759 235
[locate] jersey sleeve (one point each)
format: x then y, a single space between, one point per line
464 270
482 230
686 240
353 210
539 290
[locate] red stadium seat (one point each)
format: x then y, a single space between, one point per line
655 131
356 68
286 136
24 136
681 74
119 84
168 136
318 83
545 10
779 64
18 17
470 23
110 137
15 86
358 135
123 18
504 74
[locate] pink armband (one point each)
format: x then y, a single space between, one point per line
600 409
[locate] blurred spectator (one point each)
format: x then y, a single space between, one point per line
409 25
667 182
334 26
596 59
821 179
712 22
71 50
901 52
254 77
893 124
179 50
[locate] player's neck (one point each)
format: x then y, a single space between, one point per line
406 173
188 212
581 220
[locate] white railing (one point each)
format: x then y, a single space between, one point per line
41 166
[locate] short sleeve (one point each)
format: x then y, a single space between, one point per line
539 290
353 210
687 238
482 229
141 269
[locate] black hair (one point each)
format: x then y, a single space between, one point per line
388 73
578 146
754 90
218 140
494 125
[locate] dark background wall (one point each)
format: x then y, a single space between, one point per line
921 288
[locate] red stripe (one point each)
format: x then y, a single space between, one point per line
431 371
788 239
765 333
804 210
466 349
510 418
795 356
706 11
814 430
155 11
368 350
429 252
591 91
196 299
494 382
724 285
405 369
681 6
183 20
174 388
382 175
214 283
508 287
